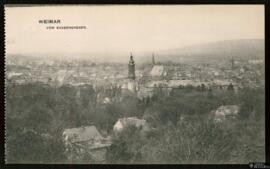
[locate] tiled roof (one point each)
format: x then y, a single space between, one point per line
157 70
82 134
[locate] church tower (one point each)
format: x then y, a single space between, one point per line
232 63
131 68
153 59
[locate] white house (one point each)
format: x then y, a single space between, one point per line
130 121
224 112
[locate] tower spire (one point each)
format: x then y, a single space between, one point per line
232 63
153 58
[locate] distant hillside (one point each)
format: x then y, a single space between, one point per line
239 49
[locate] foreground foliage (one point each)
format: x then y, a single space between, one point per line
183 130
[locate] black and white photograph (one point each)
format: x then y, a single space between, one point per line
134 84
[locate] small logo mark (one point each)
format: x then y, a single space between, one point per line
258 165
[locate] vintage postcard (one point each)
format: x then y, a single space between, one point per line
134 84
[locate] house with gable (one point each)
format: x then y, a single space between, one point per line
85 142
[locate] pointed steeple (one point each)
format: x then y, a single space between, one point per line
232 63
153 59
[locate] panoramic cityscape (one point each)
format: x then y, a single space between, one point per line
106 95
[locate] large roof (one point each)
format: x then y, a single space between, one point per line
82 134
157 70
228 110
130 121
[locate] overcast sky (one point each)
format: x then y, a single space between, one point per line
120 29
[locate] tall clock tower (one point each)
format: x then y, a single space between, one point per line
131 68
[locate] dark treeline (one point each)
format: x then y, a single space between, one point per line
184 132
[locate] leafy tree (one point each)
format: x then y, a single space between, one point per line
230 87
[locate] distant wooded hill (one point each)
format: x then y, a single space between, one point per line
239 49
